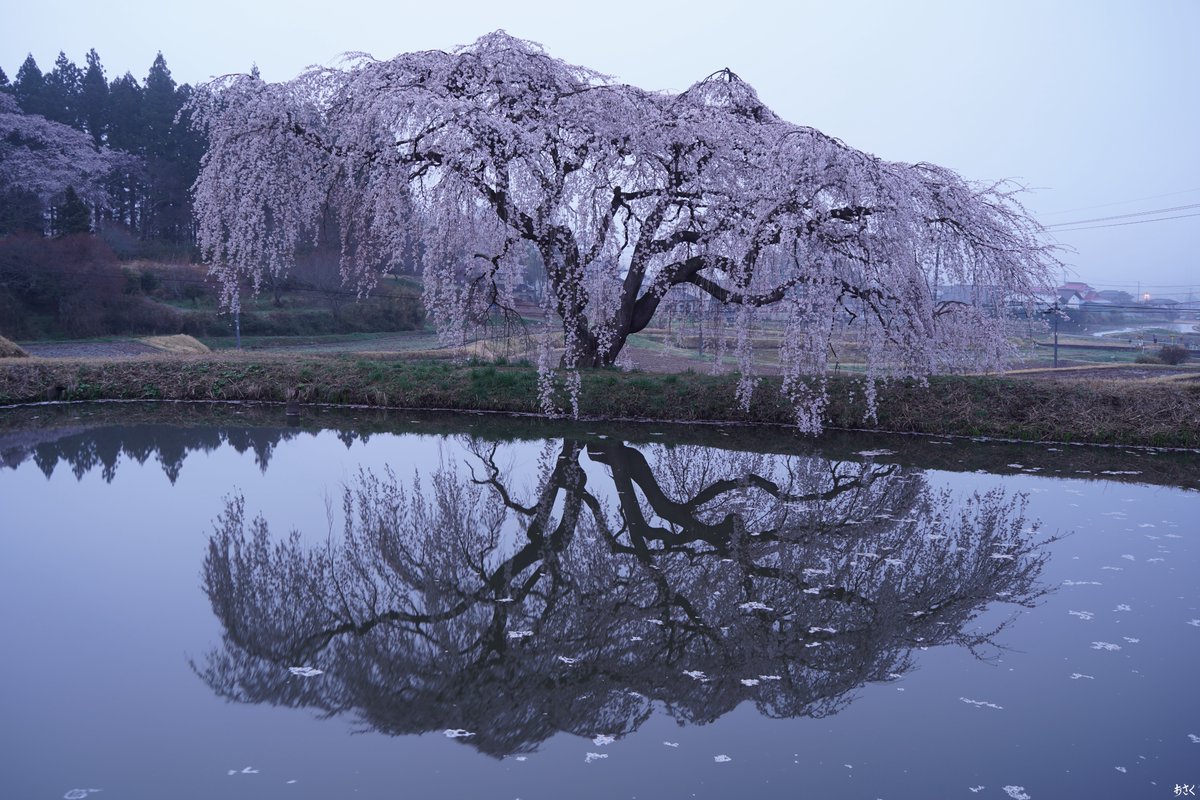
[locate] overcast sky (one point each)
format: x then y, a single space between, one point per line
1092 104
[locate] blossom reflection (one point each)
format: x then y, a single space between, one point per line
693 580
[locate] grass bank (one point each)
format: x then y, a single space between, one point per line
1067 410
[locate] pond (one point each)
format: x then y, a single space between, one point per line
206 602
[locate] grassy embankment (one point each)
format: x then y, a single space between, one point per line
1154 412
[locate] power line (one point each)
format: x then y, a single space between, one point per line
1125 216
1123 224
1147 287
1151 309
1121 202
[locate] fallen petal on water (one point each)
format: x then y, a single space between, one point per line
306 672
981 703
754 605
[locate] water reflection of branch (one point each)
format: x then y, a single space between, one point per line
702 581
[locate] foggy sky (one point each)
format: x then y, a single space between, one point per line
1093 104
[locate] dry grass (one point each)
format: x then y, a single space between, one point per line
1081 410
1146 412
1065 371
1120 372
11 350
180 344
511 348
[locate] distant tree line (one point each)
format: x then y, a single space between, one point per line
146 155
96 174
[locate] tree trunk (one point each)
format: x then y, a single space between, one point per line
589 352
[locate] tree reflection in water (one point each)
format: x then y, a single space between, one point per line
694 583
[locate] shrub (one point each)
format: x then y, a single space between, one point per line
141 315
73 283
1173 354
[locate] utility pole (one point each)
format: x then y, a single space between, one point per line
237 316
1055 312
1055 335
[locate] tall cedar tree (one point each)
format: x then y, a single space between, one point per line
30 87
93 99
160 104
124 128
62 91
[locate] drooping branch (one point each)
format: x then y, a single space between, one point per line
424 618
740 298
626 195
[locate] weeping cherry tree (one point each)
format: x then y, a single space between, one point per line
476 158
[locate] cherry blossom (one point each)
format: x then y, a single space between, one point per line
479 161
45 157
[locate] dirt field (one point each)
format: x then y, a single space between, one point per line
665 360
89 349
1122 372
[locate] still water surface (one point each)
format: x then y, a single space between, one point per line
449 607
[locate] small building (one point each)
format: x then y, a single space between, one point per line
1070 299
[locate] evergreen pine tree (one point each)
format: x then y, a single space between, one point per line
5 86
124 123
62 92
159 106
93 99
185 147
166 215
30 87
124 132
71 216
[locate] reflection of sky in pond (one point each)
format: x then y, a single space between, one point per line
101 603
